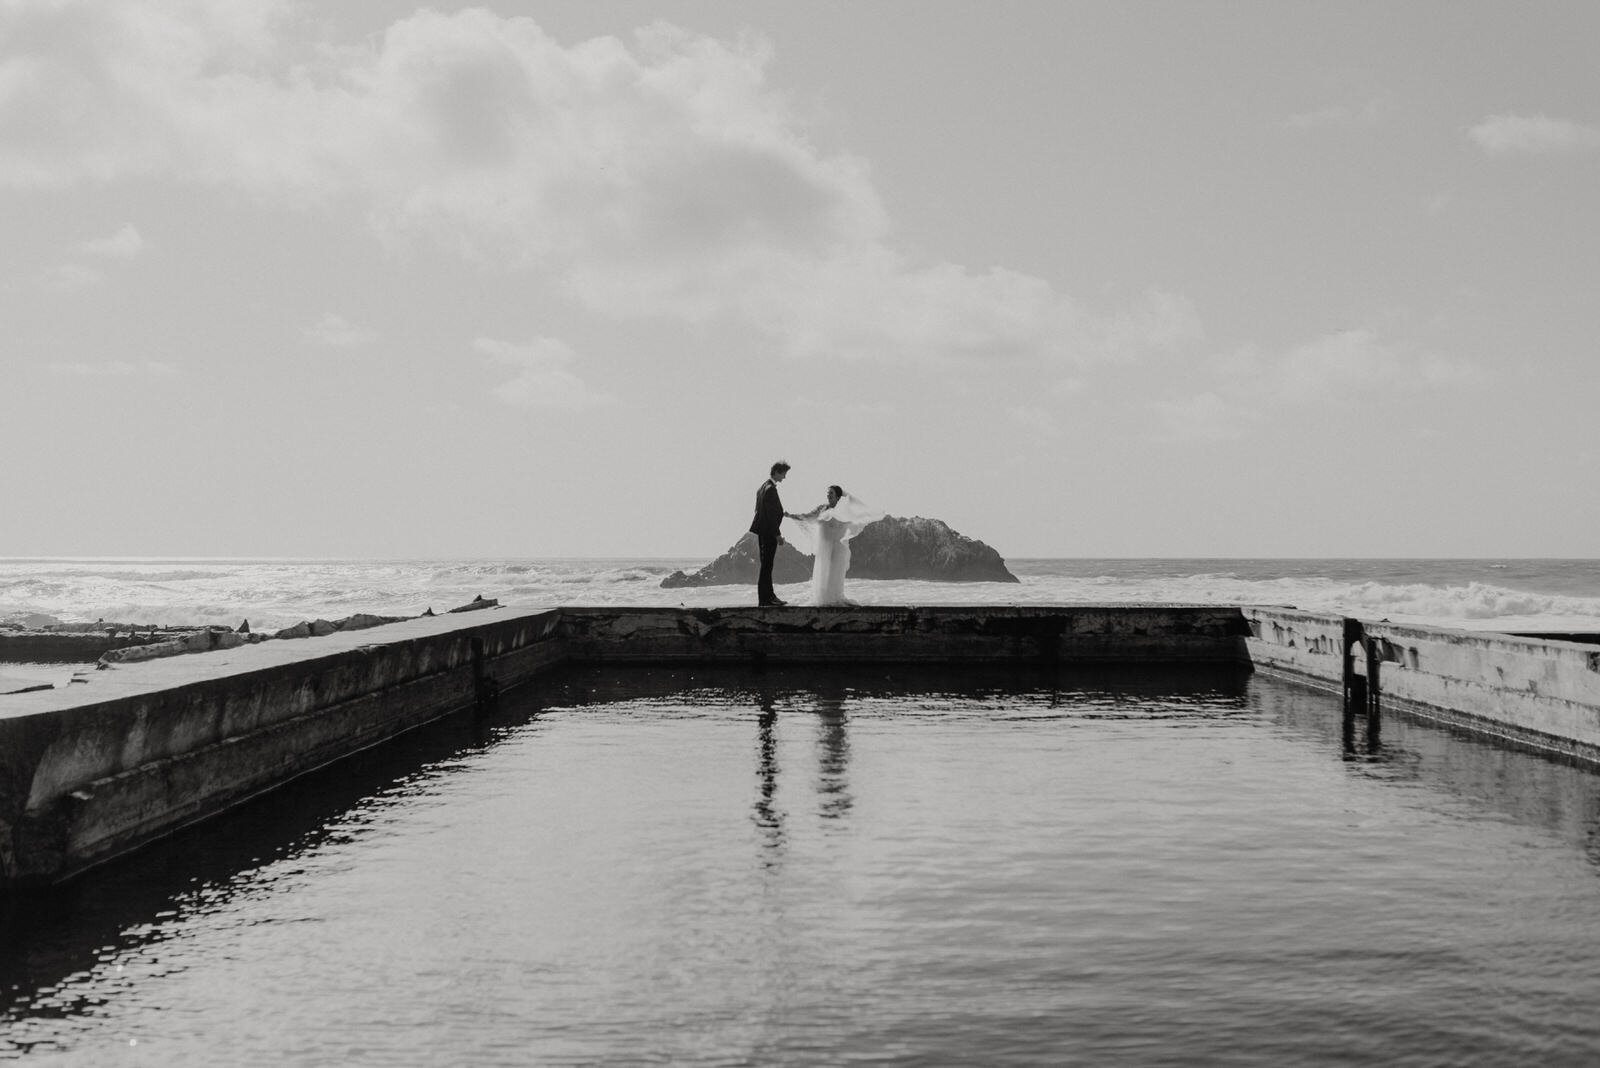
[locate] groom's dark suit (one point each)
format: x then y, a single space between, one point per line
769 517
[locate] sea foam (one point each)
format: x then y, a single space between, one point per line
276 593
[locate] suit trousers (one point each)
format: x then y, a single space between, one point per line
769 552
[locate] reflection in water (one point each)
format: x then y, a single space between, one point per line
833 753
1358 713
833 760
1535 790
1035 870
66 952
768 817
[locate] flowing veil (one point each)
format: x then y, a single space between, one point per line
827 533
850 511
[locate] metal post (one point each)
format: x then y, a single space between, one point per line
1374 723
484 688
1355 687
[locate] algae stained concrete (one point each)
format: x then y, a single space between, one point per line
906 634
91 770
1538 692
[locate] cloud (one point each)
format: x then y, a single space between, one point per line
1042 415
1203 417
66 277
125 244
1365 113
860 411
1334 369
1440 203
113 369
871 303
1349 363
1160 321
543 378
335 331
1533 134
656 176
1036 420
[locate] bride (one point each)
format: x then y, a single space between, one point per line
828 528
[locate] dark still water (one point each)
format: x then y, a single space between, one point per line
735 869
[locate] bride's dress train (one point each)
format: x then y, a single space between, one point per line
828 531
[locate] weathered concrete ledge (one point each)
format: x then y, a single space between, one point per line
1099 633
1539 693
91 771
80 646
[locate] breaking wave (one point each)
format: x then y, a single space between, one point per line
1546 595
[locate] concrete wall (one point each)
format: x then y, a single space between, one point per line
70 647
1537 692
92 770
1088 633
89 771
1306 645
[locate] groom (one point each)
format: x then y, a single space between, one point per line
769 516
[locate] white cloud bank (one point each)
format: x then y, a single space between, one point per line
1203 417
543 378
1533 134
337 332
660 176
65 277
1250 385
1366 113
1341 365
125 244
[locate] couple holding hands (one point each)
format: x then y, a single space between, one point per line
827 529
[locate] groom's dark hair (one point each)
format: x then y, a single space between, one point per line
779 467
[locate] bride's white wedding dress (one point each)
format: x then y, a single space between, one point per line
828 531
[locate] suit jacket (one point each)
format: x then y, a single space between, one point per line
769 511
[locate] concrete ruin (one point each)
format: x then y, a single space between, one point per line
140 750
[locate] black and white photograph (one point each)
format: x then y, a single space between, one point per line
800 533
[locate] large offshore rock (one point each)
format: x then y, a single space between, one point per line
918 548
741 564
891 548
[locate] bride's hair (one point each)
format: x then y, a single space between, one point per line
836 489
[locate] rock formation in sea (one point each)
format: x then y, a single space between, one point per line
891 548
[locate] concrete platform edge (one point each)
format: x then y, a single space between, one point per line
88 773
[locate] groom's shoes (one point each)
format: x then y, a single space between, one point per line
774 603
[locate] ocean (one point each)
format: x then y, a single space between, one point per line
897 867
1509 594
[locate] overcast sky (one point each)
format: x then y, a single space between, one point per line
563 279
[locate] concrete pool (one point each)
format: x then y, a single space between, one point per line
891 864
